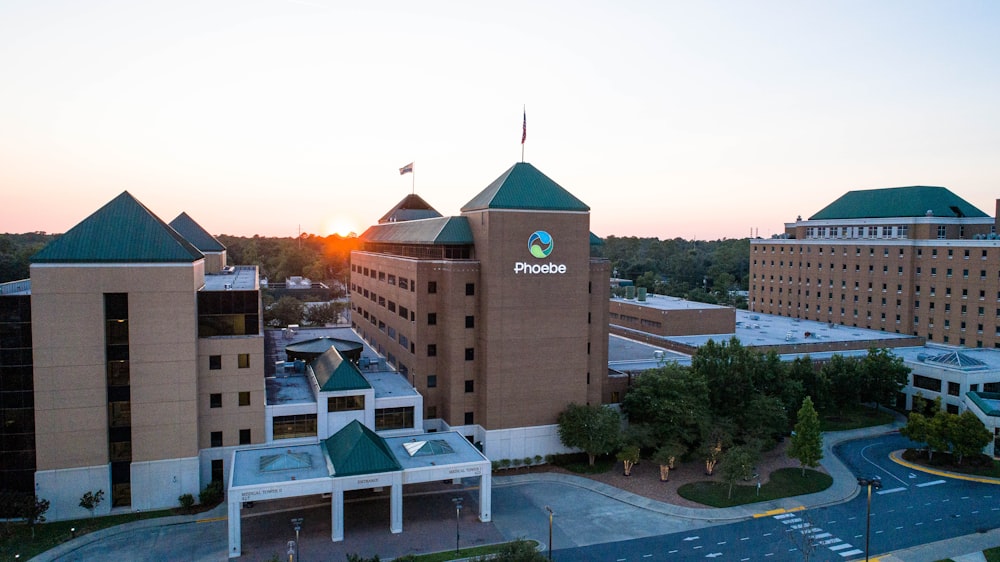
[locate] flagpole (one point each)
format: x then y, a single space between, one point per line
413 180
524 130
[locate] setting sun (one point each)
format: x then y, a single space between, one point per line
341 226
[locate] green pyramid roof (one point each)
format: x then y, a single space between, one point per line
358 450
443 230
122 231
524 187
195 234
914 201
334 373
412 207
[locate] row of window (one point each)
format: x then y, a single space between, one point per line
215 399
215 438
966 253
242 361
900 231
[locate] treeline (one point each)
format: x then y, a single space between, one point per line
320 258
705 271
16 251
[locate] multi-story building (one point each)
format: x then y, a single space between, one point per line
132 362
499 316
911 260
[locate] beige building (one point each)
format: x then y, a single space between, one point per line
147 361
499 316
911 260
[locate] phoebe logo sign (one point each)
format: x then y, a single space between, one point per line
540 244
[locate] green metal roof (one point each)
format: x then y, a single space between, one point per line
596 240
523 187
914 201
987 402
195 234
122 231
412 207
334 373
443 230
357 450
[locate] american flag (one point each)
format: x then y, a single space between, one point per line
524 128
408 169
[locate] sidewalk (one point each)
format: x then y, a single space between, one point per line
844 488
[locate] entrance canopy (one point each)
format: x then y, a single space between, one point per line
354 458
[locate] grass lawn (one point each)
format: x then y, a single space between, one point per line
15 538
858 417
992 554
784 482
976 465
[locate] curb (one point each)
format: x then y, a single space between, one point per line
897 458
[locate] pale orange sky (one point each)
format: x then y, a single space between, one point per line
670 119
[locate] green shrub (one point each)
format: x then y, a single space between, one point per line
517 462
538 459
505 463
187 500
212 494
527 461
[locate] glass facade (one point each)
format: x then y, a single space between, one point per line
17 402
228 313
116 355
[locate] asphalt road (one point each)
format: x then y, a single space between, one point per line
912 508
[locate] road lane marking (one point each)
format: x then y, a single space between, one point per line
851 553
694 538
891 491
745 539
841 546
879 467
775 512
932 483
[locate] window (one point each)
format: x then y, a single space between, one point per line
215 400
927 383
470 321
394 418
244 437
432 318
244 398
287 427
469 418
243 361
432 381
432 287
214 362
470 289
432 412
470 386
345 403
470 354
432 350
216 438
218 470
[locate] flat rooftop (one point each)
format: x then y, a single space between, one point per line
442 448
630 355
662 302
279 464
755 329
235 278
295 388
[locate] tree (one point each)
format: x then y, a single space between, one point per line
288 310
33 510
968 435
325 313
596 430
629 455
738 464
882 376
666 456
841 373
939 431
807 442
716 439
917 429
91 500
672 400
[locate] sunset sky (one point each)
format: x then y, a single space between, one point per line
669 118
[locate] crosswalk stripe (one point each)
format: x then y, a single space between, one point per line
890 491
934 483
841 546
851 553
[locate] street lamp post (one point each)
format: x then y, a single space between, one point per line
551 513
297 525
874 482
458 516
